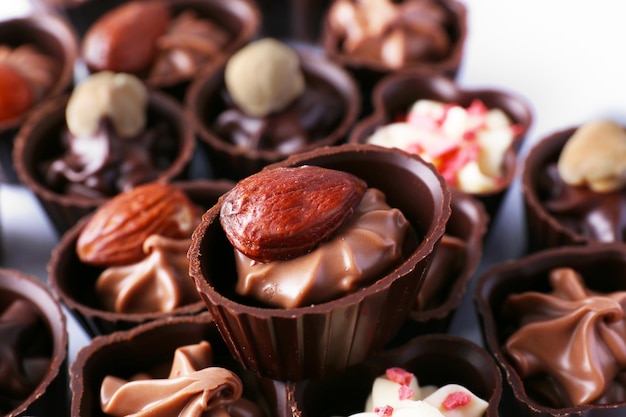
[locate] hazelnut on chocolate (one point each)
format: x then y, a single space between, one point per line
264 77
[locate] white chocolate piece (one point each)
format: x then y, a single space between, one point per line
471 179
264 77
595 156
476 407
385 392
407 408
123 98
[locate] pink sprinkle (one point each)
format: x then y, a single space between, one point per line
399 376
385 411
404 393
456 399
477 108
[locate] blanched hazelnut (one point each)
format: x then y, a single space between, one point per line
264 77
121 97
595 156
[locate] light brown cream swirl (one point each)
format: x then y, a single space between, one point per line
158 283
366 247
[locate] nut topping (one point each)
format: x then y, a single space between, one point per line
116 232
122 98
124 40
282 213
595 156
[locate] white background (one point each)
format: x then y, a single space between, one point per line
565 57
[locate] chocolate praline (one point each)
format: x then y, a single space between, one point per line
240 19
74 281
601 266
148 347
368 72
39 140
395 94
582 217
47 339
53 36
433 359
332 98
326 338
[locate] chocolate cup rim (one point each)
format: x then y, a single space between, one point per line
538 261
449 339
529 191
448 91
474 251
68 242
57 105
426 247
61 30
57 326
244 10
330 42
102 341
312 62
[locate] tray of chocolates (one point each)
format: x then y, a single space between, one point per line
312 208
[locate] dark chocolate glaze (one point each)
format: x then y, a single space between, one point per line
25 352
598 216
113 164
310 117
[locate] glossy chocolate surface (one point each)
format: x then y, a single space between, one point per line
53 36
205 102
601 266
395 94
75 281
311 117
112 164
239 19
559 213
40 140
33 349
257 335
149 348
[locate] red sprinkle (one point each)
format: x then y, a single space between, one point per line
456 399
399 376
385 411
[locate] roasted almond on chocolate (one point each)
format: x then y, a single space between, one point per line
117 230
124 40
282 213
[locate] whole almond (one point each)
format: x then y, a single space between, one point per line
114 235
16 95
282 213
125 39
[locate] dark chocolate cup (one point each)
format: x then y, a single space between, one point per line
240 18
203 103
433 359
150 345
544 230
52 392
395 94
369 72
602 267
51 35
310 342
74 282
449 275
40 137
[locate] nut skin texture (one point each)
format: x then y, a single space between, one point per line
114 235
16 96
124 40
282 213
